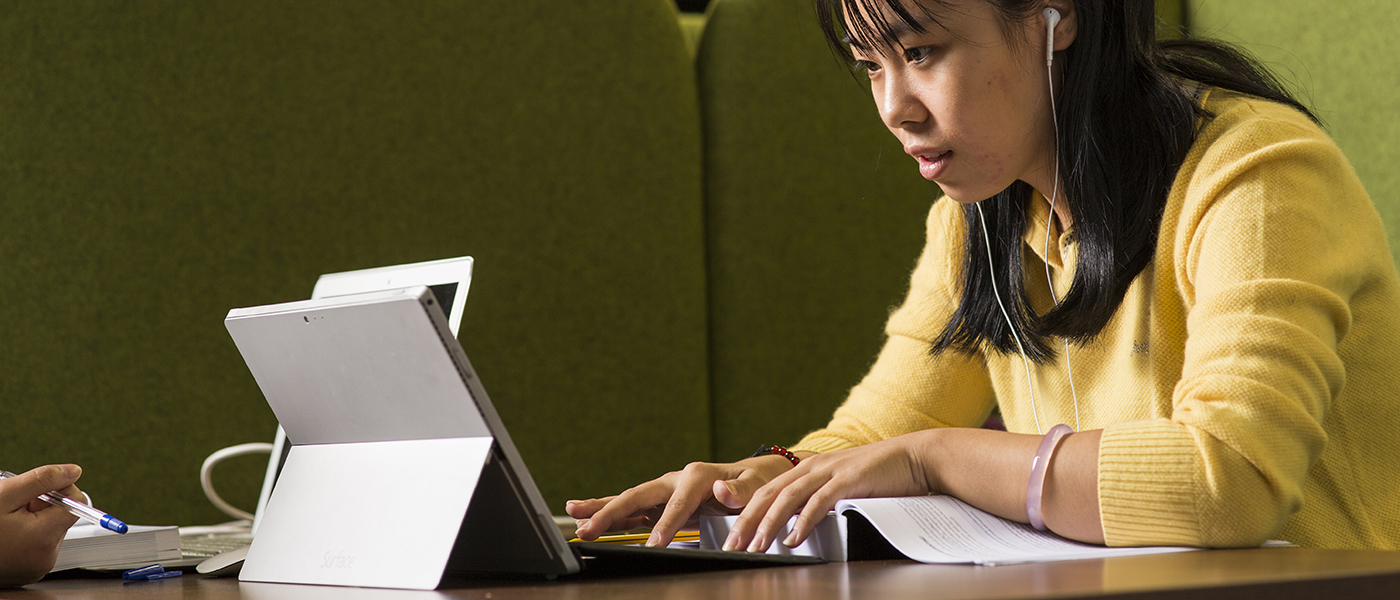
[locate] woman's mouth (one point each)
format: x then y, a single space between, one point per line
931 164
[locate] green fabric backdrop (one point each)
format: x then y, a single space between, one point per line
1340 59
162 162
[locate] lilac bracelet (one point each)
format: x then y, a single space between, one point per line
1036 486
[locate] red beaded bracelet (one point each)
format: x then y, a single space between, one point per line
779 450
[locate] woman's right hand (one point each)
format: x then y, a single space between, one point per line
677 499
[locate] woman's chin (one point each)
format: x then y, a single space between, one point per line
960 196
968 194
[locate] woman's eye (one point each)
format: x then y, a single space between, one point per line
917 54
866 66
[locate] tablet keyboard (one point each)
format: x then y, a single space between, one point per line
206 545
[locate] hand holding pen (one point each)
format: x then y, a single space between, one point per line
30 531
78 509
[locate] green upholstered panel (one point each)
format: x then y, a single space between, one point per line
693 25
164 161
1340 58
815 217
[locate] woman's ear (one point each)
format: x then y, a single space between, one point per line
1068 26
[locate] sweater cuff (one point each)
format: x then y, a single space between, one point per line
1147 484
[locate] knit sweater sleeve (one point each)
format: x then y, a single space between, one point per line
908 389
1272 237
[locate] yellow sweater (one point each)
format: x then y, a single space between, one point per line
1249 384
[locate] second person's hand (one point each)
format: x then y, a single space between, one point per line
30 529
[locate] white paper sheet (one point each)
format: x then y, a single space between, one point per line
943 529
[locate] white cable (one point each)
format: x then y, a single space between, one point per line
1055 195
218 456
1007 315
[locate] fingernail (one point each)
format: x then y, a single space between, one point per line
653 540
757 545
573 502
791 540
730 543
733 490
73 471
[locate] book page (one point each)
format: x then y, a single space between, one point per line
943 529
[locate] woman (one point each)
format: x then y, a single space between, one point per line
1215 317
31 529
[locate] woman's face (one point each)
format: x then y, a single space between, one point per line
971 106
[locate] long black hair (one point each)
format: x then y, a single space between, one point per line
1127 117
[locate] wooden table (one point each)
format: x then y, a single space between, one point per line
1264 573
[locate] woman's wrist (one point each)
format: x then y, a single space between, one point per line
769 465
782 451
925 453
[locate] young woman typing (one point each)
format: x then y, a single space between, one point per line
1149 244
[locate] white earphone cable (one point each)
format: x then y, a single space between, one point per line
1007 315
1054 196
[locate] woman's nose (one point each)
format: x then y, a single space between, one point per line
899 107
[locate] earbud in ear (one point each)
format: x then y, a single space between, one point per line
1052 17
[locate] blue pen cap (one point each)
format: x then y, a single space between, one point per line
113 523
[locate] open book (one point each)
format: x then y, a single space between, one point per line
930 529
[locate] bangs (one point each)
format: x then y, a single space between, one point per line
873 25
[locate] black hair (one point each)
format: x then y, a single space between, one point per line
1127 117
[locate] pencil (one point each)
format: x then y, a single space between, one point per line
641 538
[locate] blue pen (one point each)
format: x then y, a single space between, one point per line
78 508
150 572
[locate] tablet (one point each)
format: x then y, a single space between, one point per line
400 471
449 279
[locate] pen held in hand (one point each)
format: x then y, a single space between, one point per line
79 509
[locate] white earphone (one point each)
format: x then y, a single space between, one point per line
1052 18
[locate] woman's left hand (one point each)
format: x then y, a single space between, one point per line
811 489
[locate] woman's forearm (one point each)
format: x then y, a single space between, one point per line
990 469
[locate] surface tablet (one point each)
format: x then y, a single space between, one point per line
388 422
